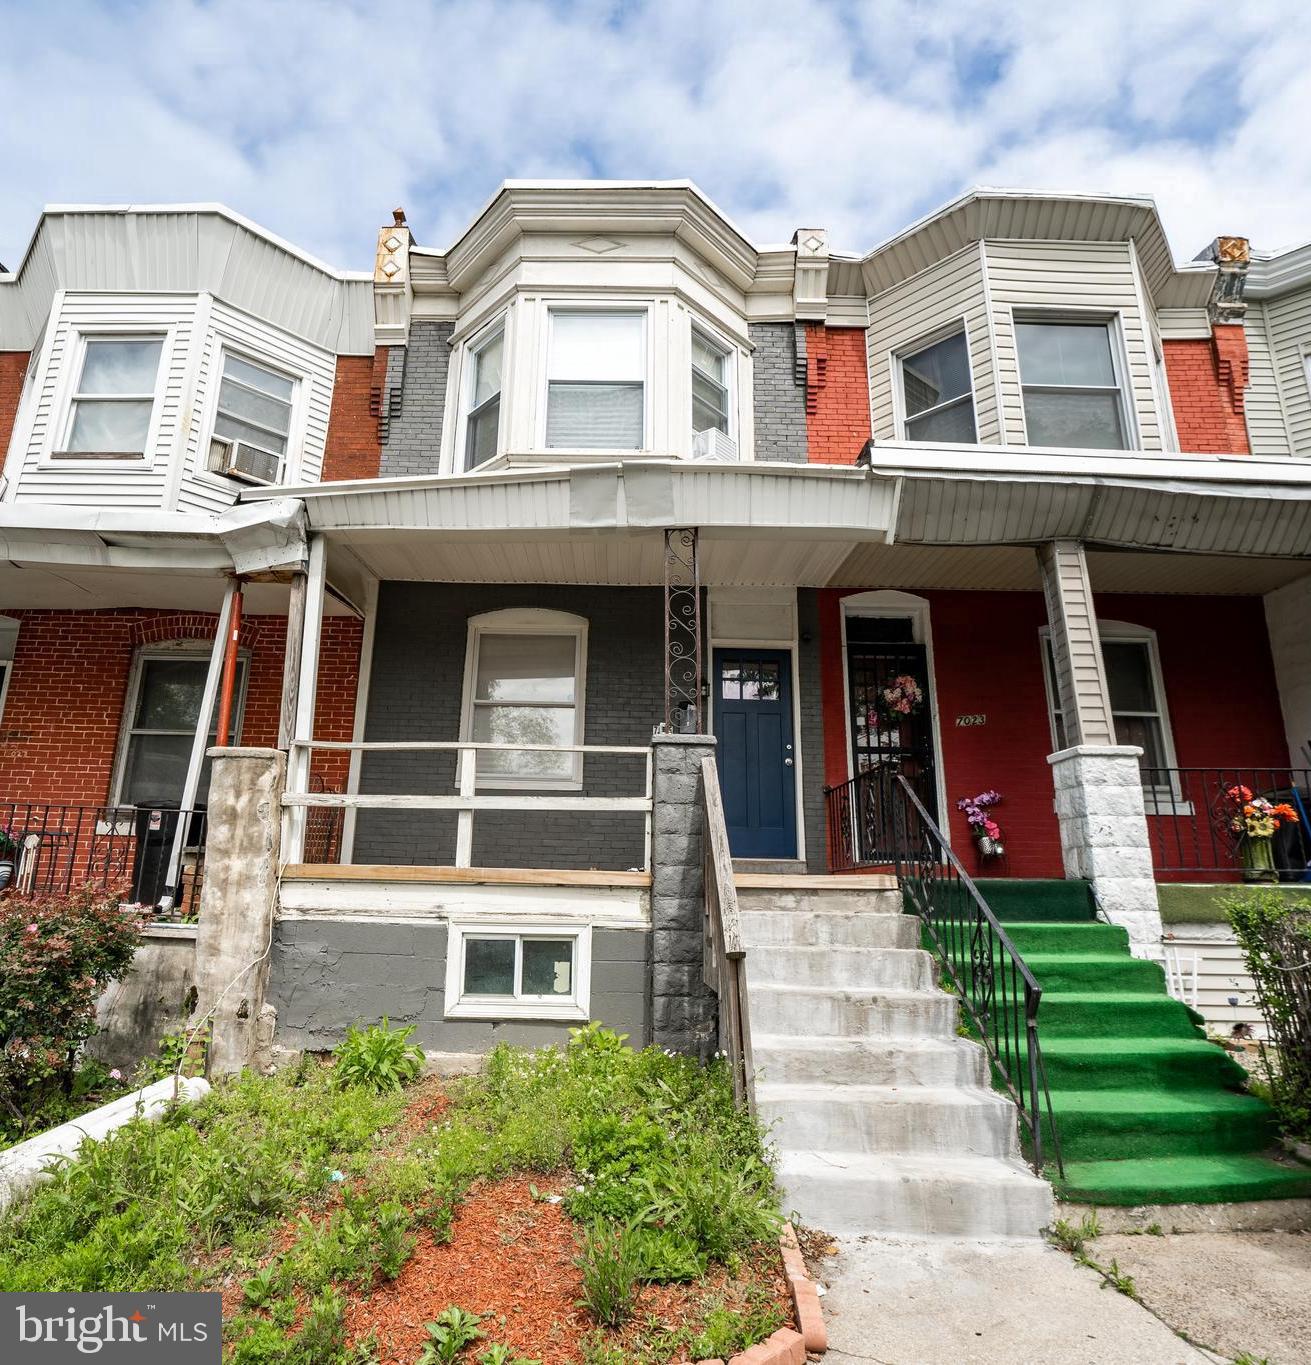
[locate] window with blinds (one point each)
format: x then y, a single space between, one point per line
596 388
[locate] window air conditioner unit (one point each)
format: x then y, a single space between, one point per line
713 447
240 460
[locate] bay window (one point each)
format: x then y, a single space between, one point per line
596 380
254 411
1071 383
710 362
115 396
937 396
483 424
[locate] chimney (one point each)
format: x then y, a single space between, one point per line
1232 256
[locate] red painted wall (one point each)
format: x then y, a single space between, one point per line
13 369
1207 382
60 728
1215 663
352 449
837 393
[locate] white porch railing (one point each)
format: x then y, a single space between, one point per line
466 801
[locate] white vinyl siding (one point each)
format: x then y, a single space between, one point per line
1279 397
123 484
1094 279
949 294
250 339
1267 427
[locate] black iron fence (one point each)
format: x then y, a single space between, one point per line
998 993
1198 826
154 856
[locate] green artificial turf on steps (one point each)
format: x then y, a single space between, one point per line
1147 1110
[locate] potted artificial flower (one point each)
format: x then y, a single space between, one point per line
8 854
986 831
1254 820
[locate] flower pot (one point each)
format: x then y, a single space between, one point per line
6 872
1259 860
988 847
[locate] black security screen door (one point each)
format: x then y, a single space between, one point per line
883 661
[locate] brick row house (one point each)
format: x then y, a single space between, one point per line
491 515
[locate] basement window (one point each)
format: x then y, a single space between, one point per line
539 971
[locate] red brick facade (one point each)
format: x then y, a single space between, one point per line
837 393
352 449
1207 382
13 369
1223 704
63 714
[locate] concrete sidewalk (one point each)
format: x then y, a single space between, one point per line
894 1301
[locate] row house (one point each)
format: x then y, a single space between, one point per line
1010 502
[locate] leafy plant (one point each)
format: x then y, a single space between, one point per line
1118 1280
264 1285
379 1057
1275 937
1072 1238
323 1333
727 1331
611 1261
502 1355
448 1335
60 952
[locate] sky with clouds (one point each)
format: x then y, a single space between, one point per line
316 117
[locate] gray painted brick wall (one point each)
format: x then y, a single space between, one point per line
328 973
812 730
780 400
413 438
415 693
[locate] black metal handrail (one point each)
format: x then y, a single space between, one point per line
1191 821
994 984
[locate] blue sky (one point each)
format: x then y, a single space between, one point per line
316 117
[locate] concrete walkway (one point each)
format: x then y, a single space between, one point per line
895 1301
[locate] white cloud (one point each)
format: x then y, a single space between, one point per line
315 117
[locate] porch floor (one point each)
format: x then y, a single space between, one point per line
461 876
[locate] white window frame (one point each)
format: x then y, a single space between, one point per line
197 650
1096 317
956 327
730 352
546 1007
483 337
290 466
632 307
58 454
527 621
1167 799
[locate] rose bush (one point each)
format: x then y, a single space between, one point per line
59 953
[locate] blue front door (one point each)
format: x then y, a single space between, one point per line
757 761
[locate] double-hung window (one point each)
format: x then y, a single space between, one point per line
709 384
254 410
937 397
537 971
596 380
1133 681
482 426
115 396
525 688
163 711
1071 383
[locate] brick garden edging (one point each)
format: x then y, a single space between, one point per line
786 1346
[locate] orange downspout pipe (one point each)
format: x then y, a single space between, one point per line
229 684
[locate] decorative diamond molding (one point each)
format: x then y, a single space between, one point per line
598 246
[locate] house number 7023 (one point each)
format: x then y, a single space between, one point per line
975 719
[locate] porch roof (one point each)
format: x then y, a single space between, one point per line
958 516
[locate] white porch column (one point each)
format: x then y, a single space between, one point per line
1098 785
298 767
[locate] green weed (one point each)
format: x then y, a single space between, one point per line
611 1261
448 1335
379 1057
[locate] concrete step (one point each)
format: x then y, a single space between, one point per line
890 1120
819 899
847 1012
791 1060
901 969
956 1196
763 928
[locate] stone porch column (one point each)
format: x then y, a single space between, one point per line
238 900
1099 794
683 1008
